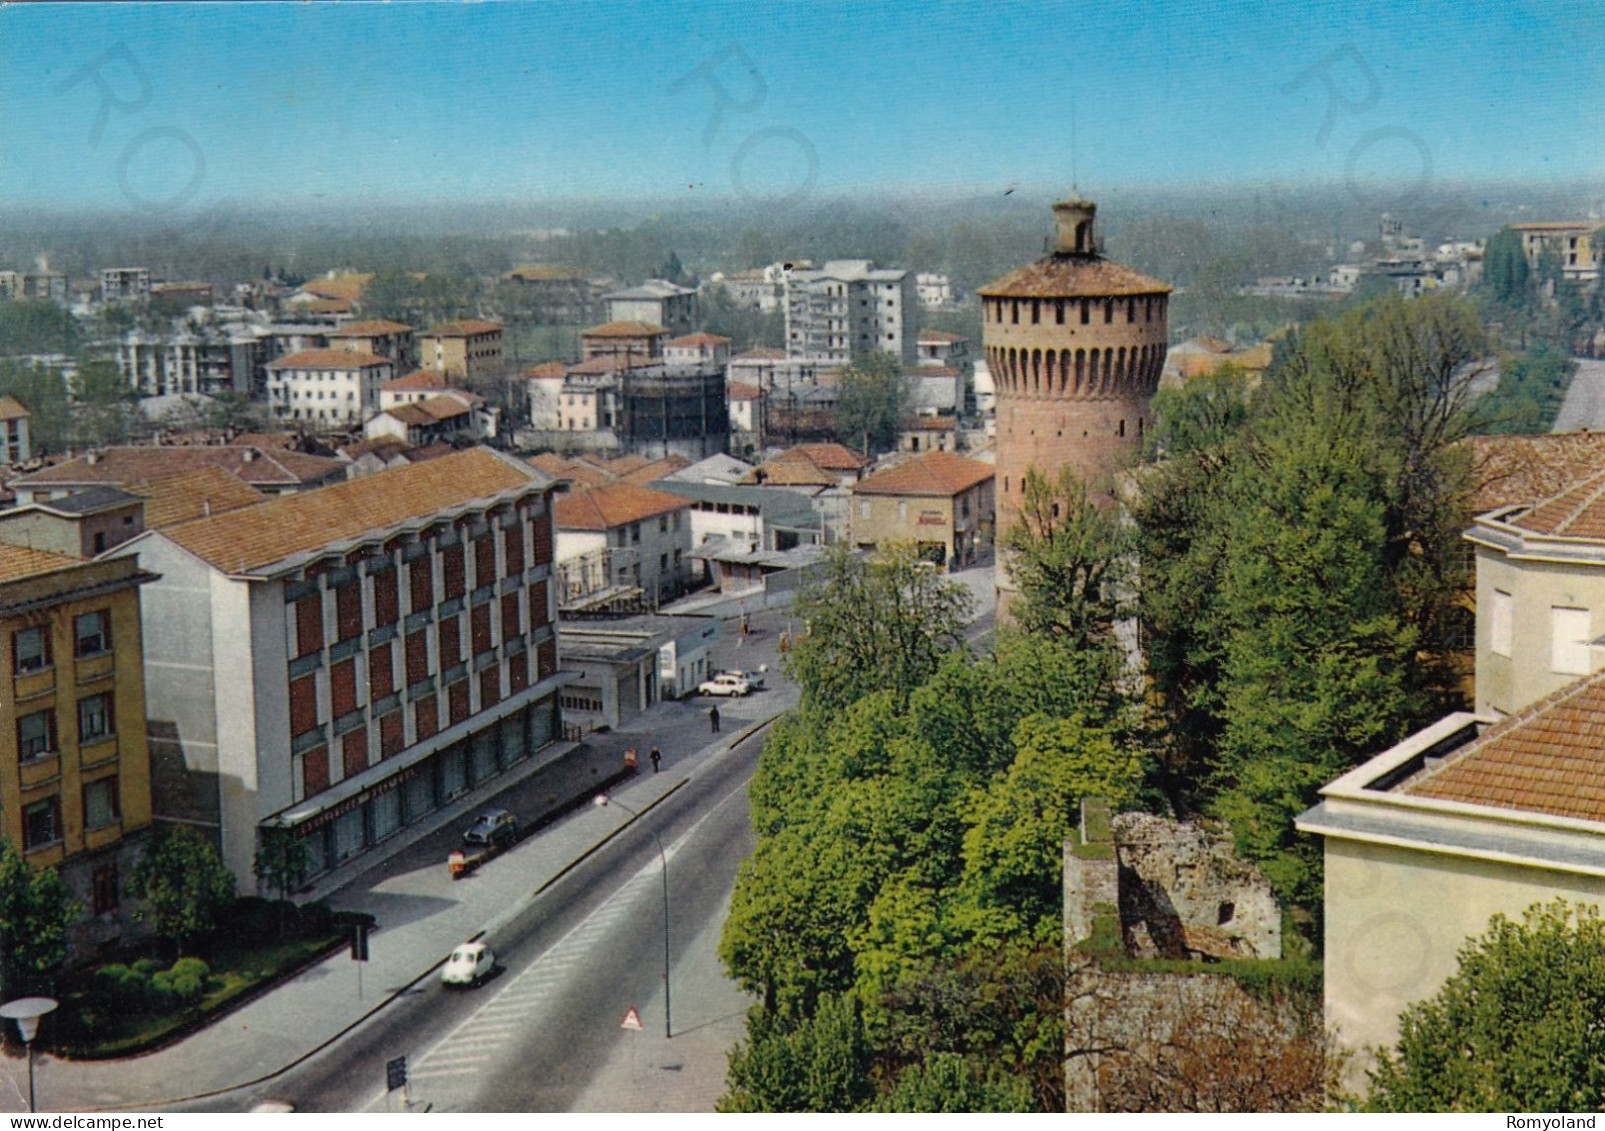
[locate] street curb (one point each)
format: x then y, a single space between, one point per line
402 990
736 740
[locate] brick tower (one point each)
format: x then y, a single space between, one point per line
1075 344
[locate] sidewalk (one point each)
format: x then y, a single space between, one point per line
421 915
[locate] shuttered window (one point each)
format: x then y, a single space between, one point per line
309 624
303 705
343 688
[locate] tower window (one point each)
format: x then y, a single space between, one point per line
1108 311
1058 311
1086 311
1036 311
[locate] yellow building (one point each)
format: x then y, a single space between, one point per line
464 350
1571 240
75 778
940 501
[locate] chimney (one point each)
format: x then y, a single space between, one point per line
92 458
1073 227
248 455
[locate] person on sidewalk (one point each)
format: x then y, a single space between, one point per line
713 718
657 757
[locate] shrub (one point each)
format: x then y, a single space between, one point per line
147 966
191 968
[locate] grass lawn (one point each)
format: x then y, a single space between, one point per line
244 959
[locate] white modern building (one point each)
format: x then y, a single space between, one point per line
656 301
328 388
848 310
340 663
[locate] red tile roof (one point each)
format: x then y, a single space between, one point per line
193 494
547 369
576 471
934 473
347 286
418 379
741 391
941 336
617 504
624 330
657 469
1511 470
761 353
253 537
701 338
468 327
12 409
830 456
1547 759
445 408
1057 276
328 359
1578 512
373 328
259 467
17 562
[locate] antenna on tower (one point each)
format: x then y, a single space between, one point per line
1075 180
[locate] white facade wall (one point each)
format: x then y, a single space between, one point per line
326 397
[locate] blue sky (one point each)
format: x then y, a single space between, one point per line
528 101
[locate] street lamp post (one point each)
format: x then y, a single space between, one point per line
603 800
26 1012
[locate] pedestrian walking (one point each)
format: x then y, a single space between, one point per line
657 757
629 757
713 718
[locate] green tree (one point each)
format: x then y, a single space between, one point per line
884 622
185 884
1515 1028
36 911
1067 555
876 396
1011 882
814 1064
948 1082
1504 269
281 863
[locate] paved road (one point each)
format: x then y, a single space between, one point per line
1584 406
544 1034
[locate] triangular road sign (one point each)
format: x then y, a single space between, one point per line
632 1019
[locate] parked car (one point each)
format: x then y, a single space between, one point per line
725 683
754 679
494 828
469 965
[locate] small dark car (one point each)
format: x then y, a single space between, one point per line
496 828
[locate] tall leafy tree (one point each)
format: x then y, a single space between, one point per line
1515 1028
36 911
1504 269
1068 556
875 398
882 622
185 885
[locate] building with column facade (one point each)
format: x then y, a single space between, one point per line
1074 343
343 662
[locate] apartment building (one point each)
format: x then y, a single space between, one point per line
464 350
75 772
343 662
622 545
657 301
16 435
380 337
848 310
328 388
124 285
942 502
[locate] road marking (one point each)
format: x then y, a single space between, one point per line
464 1050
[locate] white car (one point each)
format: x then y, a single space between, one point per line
468 965
755 679
725 683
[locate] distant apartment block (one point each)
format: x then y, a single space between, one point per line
464 350
328 388
848 310
939 348
339 664
16 438
934 290
1572 241
628 338
658 301
382 338
124 285
210 362
554 294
